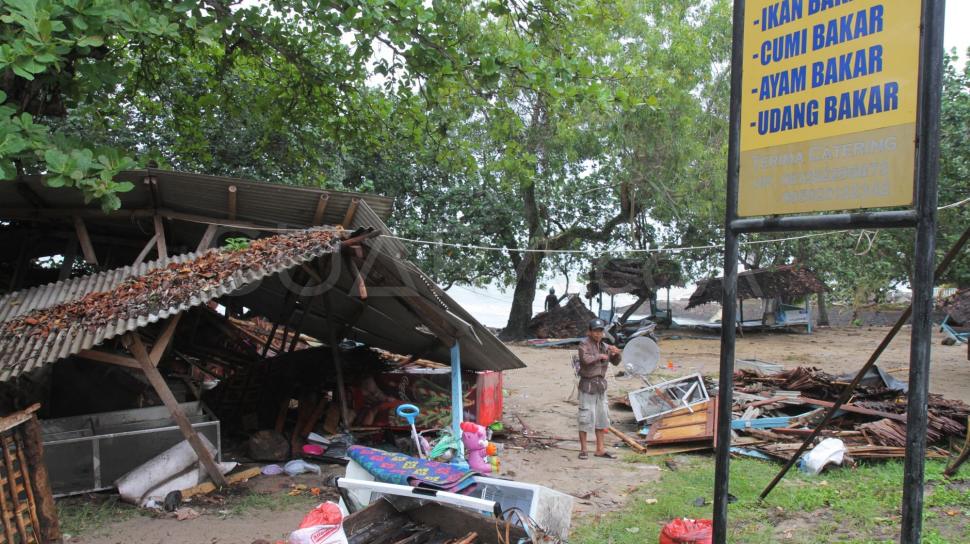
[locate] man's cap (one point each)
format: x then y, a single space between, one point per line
597 324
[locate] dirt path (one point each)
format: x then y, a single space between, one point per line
538 398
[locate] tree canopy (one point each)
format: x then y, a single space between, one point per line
519 124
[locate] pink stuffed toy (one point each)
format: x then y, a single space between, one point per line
475 439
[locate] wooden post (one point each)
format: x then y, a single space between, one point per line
50 529
70 253
145 251
137 349
206 241
165 339
321 207
335 353
351 211
160 237
232 201
82 235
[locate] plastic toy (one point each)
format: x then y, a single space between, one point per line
477 448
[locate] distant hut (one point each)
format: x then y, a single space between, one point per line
642 278
777 286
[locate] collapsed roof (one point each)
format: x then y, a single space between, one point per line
788 281
369 296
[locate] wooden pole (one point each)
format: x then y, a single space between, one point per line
145 251
50 529
160 237
207 237
232 201
351 211
321 207
82 235
335 354
137 349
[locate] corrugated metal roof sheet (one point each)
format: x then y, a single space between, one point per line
21 353
388 319
269 204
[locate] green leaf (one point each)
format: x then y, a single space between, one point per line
90 41
8 170
56 159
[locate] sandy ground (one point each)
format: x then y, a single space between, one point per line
538 399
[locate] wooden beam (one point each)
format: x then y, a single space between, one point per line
165 339
358 279
351 212
30 195
207 238
337 359
82 235
17 418
160 237
232 201
61 213
144 251
109 358
137 349
321 207
849 408
50 530
192 218
70 253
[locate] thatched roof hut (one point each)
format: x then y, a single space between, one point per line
789 281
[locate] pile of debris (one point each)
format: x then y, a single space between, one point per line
774 413
567 321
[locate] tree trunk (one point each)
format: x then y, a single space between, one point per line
823 312
526 278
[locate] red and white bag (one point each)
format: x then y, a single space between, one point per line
323 525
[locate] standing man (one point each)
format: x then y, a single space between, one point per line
594 415
552 301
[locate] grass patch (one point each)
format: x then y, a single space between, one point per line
89 515
238 505
859 505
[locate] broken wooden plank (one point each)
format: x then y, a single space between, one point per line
634 445
138 349
851 408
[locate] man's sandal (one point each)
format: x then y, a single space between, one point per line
605 455
583 455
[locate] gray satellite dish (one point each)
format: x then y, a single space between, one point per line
641 356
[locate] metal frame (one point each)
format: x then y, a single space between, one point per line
922 217
120 419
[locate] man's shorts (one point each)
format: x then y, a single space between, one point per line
593 412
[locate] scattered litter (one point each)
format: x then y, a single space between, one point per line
299 466
186 513
272 470
828 451
687 531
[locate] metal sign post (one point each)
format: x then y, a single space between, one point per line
834 106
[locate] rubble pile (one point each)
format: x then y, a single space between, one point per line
774 413
567 321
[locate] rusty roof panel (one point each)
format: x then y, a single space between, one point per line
20 353
269 204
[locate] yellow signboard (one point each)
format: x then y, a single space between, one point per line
828 110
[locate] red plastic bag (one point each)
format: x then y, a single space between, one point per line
327 513
687 531
323 525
